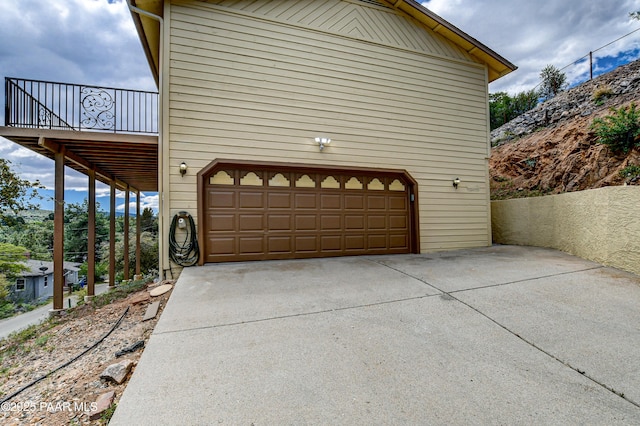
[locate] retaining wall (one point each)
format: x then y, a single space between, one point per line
602 225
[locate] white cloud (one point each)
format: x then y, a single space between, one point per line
74 41
535 34
150 201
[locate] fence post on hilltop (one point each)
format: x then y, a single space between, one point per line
590 65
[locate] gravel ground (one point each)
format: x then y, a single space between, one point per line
68 396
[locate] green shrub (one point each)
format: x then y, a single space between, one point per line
631 171
7 310
119 292
620 129
101 269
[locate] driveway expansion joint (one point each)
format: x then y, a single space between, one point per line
450 296
301 314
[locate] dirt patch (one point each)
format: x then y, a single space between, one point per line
69 395
552 161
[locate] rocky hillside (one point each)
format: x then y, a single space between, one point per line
551 149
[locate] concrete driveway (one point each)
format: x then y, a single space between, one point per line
500 335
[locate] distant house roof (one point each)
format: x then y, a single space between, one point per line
43 267
149 33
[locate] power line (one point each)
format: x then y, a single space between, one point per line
591 52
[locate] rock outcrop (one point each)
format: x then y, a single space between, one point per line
551 148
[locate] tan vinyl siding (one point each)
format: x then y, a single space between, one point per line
360 20
253 89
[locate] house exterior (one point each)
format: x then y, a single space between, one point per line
36 283
294 129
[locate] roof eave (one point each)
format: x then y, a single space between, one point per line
149 32
497 65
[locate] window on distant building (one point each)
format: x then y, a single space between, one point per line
20 284
46 281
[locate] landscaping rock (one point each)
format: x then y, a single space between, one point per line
161 290
140 298
103 403
622 82
117 373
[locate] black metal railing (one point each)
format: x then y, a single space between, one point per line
50 105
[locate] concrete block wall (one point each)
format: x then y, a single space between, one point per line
602 224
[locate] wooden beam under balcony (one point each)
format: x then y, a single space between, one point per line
131 159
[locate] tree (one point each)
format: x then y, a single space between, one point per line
76 218
524 101
148 221
499 109
15 192
504 108
11 258
35 236
553 82
148 253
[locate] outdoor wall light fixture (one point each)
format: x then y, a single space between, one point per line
322 142
456 182
183 168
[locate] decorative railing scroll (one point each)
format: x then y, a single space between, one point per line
50 105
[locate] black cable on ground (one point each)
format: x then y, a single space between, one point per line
187 252
39 379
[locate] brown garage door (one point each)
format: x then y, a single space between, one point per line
258 212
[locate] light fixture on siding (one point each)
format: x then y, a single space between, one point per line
183 168
322 142
456 182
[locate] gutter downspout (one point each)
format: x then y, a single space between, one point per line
134 9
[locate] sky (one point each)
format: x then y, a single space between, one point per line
95 42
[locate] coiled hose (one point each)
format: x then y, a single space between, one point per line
186 253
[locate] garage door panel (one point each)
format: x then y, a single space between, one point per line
251 200
354 222
222 245
251 245
221 199
376 202
330 202
306 243
276 214
354 202
355 242
330 222
377 241
280 244
279 222
331 243
251 222
279 200
397 203
377 222
397 222
398 241
306 201
221 222
306 222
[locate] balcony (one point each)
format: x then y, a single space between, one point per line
109 134
62 106
112 131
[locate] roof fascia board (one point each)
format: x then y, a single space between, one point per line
498 66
